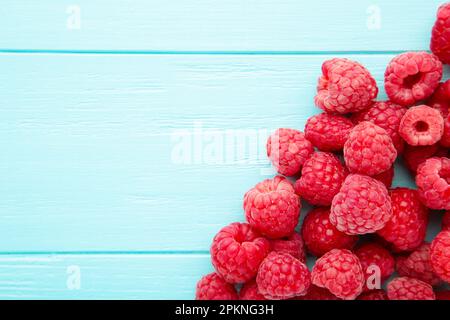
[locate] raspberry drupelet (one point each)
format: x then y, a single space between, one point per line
345 86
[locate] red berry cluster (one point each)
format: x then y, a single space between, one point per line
361 230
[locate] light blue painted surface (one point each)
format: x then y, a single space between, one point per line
90 117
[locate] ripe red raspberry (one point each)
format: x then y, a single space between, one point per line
413 156
443 295
422 126
272 207
440 255
214 287
361 206
237 251
328 132
321 179
411 77
432 179
345 86
407 226
446 221
386 115
321 236
288 149
378 294
440 99
281 276
418 265
318 293
445 140
340 272
369 149
404 288
386 177
372 255
440 36
249 291
292 245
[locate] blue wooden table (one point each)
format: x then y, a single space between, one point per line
130 130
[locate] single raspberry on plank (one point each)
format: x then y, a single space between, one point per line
440 35
378 294
293 245
422 126
281 276
418 265
411 77
272 207
386 115
440 255
237 251
432 179
345 86
214 287
321 178
361 206
369 150
328 132
404 288
321 236
377 264
249 291
406 229
288 149
339 271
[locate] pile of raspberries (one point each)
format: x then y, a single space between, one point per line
360 229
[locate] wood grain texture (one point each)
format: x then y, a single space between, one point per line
211 25
87 141
101 276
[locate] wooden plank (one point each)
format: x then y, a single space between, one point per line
211 25
87 161
101 276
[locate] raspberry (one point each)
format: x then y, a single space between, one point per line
288 149
407 226
417 265
378 294
340 272
433 178
361 206
445 140
237 251
443 295
386 115
345 86
328 132
292 245
214 287
281 276
386 177
440 255
413 156
404 288
321 179
370 255
249 291
411 77
318 293
422 126
272 207
446 221
440 35
440 99
321 236
369 149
